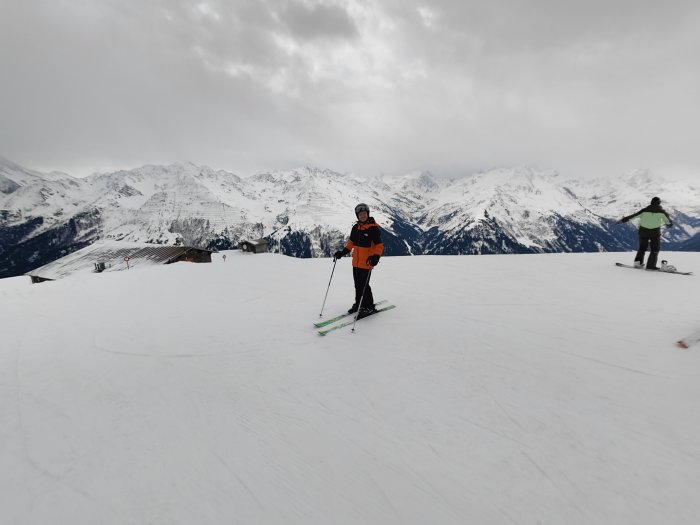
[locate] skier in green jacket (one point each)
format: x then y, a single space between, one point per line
651 219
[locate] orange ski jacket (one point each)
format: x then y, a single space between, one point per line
365 240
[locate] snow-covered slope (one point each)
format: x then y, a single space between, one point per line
631 191
502 389
13 176
520 205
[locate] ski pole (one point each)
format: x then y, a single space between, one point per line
359 305
329 287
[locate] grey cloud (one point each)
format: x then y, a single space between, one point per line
317 21
360 85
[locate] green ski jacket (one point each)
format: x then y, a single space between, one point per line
652 217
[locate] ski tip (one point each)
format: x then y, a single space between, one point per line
681 344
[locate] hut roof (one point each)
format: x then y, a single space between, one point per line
256 242
112 253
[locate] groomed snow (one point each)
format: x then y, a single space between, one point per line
516 389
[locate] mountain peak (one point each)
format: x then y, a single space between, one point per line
5 162
641 177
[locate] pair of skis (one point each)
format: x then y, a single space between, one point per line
343 320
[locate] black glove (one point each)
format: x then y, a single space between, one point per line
373 260
340 253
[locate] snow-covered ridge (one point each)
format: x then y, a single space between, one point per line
308 211
12 174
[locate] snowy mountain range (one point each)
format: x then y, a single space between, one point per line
307 212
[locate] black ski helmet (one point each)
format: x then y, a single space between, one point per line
655 201
361 207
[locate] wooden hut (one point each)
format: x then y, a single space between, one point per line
256 246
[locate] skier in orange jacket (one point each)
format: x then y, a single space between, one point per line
366 245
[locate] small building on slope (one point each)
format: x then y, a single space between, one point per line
255 246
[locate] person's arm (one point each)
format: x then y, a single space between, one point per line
378 245
346 249
350 245
376 248
629 217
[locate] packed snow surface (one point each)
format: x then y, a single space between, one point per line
505 389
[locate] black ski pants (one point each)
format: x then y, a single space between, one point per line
361 277
649 237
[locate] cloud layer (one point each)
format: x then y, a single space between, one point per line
367 86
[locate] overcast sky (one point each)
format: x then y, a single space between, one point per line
593 87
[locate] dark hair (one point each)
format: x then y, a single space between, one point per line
656 200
